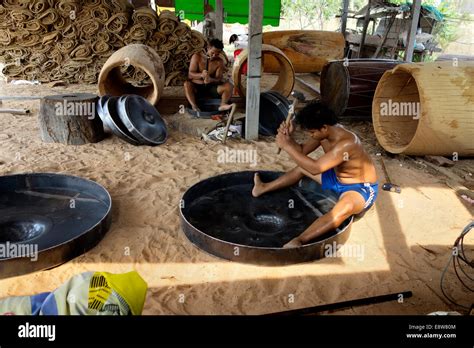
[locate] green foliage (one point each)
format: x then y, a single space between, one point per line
307 12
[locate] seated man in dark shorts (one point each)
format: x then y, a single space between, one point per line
345 168
206 72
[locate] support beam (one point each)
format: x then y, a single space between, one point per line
415 18
345 10
364 30
219 20
254 69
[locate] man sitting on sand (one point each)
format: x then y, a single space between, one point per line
345 168
205 75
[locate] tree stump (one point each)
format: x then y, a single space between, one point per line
70 119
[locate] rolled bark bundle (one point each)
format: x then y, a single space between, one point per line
67 8
81 52
101 47
112 82
157 39
21 15
50 38
91 4
50 16
12 70
100 14
89 31
136 33
146 17
38 58
167 22
197 39
171 43
70 32
55 55
66 46
176 78
117 5
30 40
48 65
5 37
426 109
39 6
117 23
34 26
183 32
286 78
164 55
15 4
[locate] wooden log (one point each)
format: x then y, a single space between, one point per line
286 75
308 50
426 109
70 119
139 56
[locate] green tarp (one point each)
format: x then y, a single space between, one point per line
235 11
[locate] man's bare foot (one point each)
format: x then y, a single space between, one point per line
294 243
225 107
259 186
195 108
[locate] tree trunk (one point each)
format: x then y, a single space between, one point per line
70 119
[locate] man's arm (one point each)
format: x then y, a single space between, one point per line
194 73
329 160
310 146
219 74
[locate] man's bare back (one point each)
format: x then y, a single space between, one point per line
357 166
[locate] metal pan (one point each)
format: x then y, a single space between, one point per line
273 111
142 120
113 121
220 216
51 217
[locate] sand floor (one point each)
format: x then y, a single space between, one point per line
406 239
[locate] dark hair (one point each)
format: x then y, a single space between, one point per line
315 115
233 38
216 43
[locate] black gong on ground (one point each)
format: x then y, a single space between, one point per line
220 216
60 216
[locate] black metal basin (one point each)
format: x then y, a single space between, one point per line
220 216
58 217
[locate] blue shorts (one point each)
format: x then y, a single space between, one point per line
369 191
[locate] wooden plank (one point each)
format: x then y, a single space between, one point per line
254 69
416 8
387 31
219 20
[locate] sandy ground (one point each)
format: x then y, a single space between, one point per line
406 238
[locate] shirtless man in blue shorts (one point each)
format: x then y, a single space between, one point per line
345 168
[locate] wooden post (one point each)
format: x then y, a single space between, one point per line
415 18
254 69
345 9
364 30
219 20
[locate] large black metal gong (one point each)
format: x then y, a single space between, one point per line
221 217
60 216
